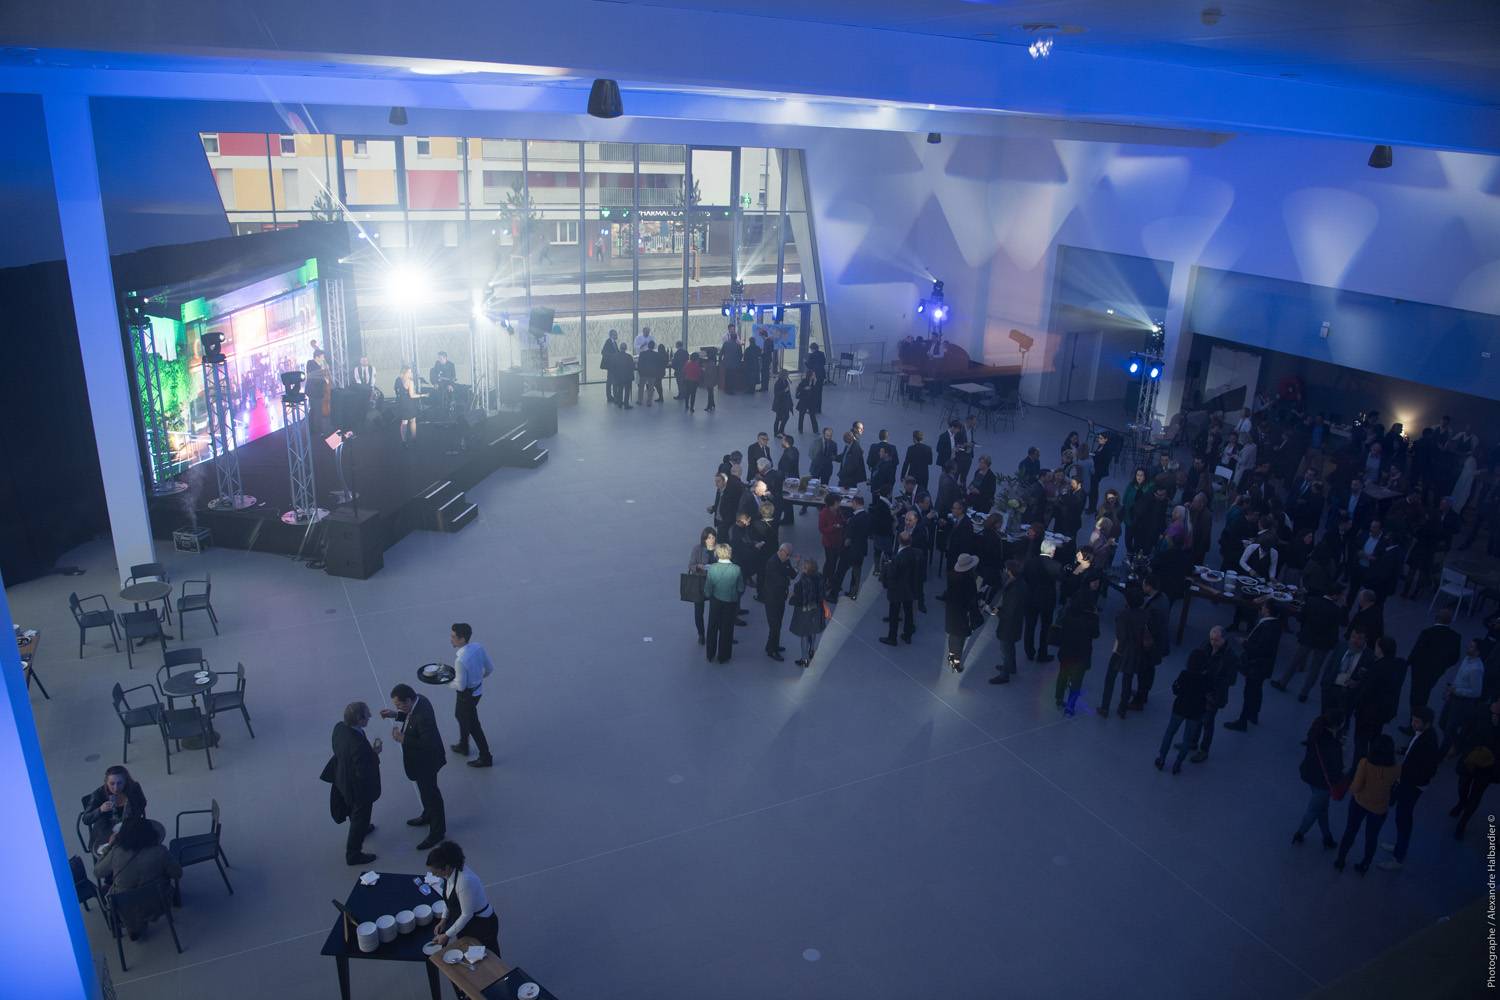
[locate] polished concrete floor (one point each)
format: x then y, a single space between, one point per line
657 826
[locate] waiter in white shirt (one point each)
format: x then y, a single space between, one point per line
471 665
470 913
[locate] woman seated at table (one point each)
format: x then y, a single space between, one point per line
135 859
469 911
118 799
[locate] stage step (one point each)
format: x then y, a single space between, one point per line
533 454
445 507
519 449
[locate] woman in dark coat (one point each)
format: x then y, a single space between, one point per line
1079 626
118 799
806 599
1322 768
1129 654
961 612
809 400
781 405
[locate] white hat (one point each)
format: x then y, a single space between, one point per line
966 562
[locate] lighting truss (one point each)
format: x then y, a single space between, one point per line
299 463
219 398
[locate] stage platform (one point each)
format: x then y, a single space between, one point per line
400 486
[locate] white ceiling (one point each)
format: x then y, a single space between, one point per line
1449 48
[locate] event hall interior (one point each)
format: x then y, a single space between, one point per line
1072 426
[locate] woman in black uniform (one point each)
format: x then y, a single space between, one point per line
406 404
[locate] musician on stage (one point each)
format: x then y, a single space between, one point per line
317 390
406 404
443 376
364 374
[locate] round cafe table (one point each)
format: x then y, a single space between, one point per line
145 593
185 685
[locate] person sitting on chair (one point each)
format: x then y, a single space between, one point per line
135 859
118 799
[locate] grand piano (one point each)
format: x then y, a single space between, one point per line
943 363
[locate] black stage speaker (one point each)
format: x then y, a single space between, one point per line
539 410
355 545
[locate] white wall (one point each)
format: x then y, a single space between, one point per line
985 214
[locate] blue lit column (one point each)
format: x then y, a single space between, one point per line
44 950
75 175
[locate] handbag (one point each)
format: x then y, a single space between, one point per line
1336 791
692 587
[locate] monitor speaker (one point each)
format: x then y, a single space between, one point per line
355 545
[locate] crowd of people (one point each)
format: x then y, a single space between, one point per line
1287 493
740 364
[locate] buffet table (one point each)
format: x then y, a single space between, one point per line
1236 590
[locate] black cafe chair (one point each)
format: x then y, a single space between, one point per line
178 724
140 625
199 599
146 573
232 699
151 901
136 716
82 884
88 618
198 848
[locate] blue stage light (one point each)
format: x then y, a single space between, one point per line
1155 372
921 307
1135 366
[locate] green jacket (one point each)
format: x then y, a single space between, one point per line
724 582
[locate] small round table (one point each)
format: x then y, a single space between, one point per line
145 593
185 685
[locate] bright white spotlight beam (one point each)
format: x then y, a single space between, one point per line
407 286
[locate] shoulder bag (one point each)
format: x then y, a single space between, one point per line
691 587
1336 790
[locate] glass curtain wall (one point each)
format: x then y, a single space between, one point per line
608 235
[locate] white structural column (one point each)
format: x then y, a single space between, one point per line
44 950
75 174
1175 353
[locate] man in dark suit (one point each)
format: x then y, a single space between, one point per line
1367 617
918 462
882 466
607 365
852 464
1437 648
1010 615
948 445
1305 502
775 582
1257 658
1375 561
1353 504
901 589
679 362
1343 673
879 449
423 757
757 451
825 452
1418 766
856 547
354 772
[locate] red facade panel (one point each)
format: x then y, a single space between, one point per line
432 189
242 144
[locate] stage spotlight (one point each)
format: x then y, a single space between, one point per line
937 289
1155 372
604 99
213 347
939 313
291 386
407 286
1135 367
933 138
921 307
1380 157
397 116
